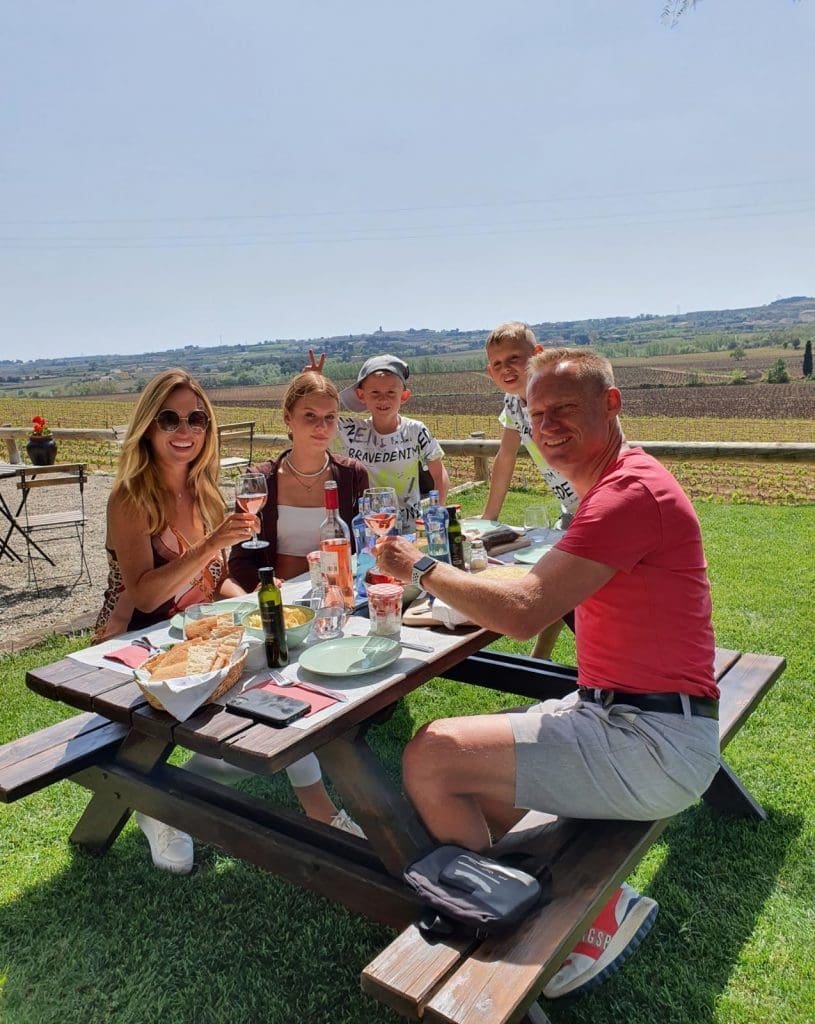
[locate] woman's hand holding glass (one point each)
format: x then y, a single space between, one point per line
235 528
251 492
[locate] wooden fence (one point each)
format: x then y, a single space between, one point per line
481 449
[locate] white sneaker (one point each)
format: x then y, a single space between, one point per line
614 934
170 849
343 821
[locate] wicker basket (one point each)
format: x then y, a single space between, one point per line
233 674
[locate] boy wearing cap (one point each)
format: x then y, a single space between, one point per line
392 447
509 348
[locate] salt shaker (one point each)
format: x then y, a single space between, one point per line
478 555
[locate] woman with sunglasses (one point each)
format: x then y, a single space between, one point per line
167 534
167 541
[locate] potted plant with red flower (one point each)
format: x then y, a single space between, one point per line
41 446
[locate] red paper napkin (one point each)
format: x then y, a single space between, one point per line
317 701
132 655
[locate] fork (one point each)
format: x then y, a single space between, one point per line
280 680
147 643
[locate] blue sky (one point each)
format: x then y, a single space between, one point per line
176 172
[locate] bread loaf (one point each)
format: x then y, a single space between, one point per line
196 656
206 626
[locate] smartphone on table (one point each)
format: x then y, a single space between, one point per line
275 709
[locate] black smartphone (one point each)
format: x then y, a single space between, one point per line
272 708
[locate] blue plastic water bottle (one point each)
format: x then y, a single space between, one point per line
435 524
364 540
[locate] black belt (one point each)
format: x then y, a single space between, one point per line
665 703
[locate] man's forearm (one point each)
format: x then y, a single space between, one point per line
500 605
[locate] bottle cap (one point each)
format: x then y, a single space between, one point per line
332 496
266 574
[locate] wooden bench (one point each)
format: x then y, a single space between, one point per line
57 752
499 980
236 433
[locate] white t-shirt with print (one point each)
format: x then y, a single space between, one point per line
392 460
515 417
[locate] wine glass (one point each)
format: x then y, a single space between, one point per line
383 513
251 492
330 612
536 517
382 495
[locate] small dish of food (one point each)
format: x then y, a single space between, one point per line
297 618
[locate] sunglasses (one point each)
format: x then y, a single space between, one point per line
169 421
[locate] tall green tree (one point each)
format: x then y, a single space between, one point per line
808 358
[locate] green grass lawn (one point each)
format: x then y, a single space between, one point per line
113 940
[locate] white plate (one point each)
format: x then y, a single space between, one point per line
350 655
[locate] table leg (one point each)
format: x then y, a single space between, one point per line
728 795
535 1015
106 814
389 821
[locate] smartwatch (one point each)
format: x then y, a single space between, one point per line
420 568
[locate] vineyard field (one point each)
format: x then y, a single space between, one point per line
730 481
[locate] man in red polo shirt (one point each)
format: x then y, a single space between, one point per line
639 739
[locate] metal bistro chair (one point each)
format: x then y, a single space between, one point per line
242 434
60 524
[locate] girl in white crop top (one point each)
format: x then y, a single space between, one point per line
298 529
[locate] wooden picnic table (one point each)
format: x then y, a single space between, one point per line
365 876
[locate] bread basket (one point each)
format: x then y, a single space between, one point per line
231 675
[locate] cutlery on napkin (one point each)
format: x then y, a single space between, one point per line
280 680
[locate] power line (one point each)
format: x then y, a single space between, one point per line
574 198
746 211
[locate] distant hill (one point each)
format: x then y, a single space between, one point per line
790 320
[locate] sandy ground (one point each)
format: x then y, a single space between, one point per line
61 606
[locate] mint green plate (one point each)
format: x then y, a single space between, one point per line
350 655
528 556
479 526
243 604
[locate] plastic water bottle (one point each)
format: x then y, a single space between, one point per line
435 523
364 540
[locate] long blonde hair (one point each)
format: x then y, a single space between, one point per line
137 477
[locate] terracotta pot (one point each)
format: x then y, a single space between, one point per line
42 451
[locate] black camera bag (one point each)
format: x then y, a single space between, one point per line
468 893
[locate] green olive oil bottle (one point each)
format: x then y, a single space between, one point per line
270 601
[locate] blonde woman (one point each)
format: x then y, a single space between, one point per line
167 533
167 541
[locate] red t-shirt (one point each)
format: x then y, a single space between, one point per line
648 630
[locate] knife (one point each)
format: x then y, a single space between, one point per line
416 647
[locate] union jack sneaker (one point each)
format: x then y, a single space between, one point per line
616 932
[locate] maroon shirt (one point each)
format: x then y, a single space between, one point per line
351 478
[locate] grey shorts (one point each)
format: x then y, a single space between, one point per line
580 760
